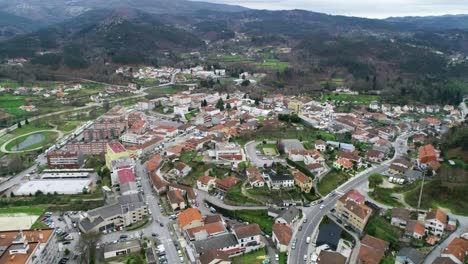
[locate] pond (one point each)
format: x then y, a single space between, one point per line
30 140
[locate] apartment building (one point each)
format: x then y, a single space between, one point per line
352 210
127 210
64 159
29 247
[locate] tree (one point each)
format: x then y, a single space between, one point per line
106 105
26 121
19 124
228 106
15 164
375 180
66 252
257 101
204 103
220 104
245 83
228 96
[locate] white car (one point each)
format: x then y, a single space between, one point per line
322 206
305 257
276 257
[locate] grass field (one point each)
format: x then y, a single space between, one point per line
258 216
268 149
332 180
275 64
356 98
384 195
235 195
49 137
23 210
255 257
68 126
381 228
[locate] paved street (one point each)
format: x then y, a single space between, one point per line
164 235
315 214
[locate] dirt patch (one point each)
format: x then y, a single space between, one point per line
16 221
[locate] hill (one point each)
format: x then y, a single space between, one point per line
120 36
11 25
54 11
432 22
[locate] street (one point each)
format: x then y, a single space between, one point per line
314 214
164 235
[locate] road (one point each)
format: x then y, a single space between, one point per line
314 214
164 235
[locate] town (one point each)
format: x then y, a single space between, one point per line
197 177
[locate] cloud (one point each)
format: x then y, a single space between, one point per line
363 8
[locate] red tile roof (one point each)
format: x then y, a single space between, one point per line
211 229
125 176
427 153
437 214
458 248
205 179
283 233
372 250
250 230
188 216
227 183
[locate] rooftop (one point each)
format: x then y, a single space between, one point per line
116 147
188 216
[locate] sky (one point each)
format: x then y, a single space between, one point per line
361 8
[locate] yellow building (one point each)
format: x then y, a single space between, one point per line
295 106
305 183
351 209
115 150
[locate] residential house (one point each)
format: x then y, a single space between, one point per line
176 199
214 256
414 229
409 255
190 218
181 169
304 182
320 145
295 106
206 183
288 216
206 231
255 177
372 250
400 166
226 183
248 236
375 155
281 237
316 168
436 220
400 217
352 210
330 257
457 250
343 164
278 181
227 243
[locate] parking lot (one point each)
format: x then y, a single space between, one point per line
67 232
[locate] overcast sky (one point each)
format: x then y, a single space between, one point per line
362 8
